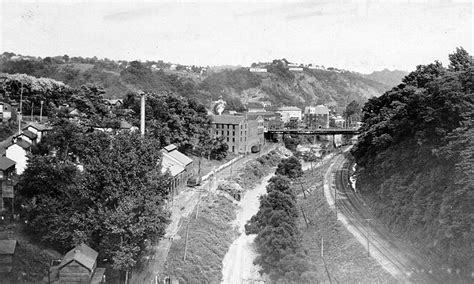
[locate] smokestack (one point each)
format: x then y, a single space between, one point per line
142 114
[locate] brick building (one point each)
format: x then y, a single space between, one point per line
316 116
240 132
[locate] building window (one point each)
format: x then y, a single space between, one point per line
233 139
232 148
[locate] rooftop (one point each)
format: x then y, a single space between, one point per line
169 163
83 254
29 134
6 163
23 144
39 126
289 108
227 119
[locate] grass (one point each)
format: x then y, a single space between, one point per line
209 237
345 257
31 260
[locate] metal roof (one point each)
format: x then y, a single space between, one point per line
180 157
29 134
83 254
170 163
39 126
289 108
6 163
227 119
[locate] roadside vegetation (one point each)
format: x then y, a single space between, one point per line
278 240
209 238
415 160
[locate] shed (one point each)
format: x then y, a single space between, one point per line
78 265
7 167
7 251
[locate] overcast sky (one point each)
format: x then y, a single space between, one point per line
356 35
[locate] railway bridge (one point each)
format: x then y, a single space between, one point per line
278 133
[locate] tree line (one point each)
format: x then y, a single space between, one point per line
278 238
415 159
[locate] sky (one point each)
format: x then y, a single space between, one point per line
360 36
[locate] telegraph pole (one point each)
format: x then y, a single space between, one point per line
41 111
368 239
20 110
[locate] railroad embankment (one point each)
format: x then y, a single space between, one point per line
332 251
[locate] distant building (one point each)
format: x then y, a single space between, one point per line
255 107
112 103
18 151
239 131
5 112
7 168
296 69
289 112
258 70
179 166
316 116
79 266
339 121
40 130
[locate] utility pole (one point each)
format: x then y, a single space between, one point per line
20 110
335 201
32 108
368 239
41 111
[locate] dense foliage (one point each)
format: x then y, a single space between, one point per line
115 204
290 167
182 121
415 158
278 237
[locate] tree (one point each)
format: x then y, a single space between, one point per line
291 143
115 204
290 167
460 60
353 111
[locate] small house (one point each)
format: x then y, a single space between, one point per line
5 112
40 130
26 136
179 166
7 252
79 266
18 152
7 168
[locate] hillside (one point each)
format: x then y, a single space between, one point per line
387 77
237 85
415 160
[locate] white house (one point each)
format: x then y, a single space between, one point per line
38 129
288 113
18 152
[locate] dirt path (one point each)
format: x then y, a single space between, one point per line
238 264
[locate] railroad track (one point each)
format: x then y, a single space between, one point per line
348 203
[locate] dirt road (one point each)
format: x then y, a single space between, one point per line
238 262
